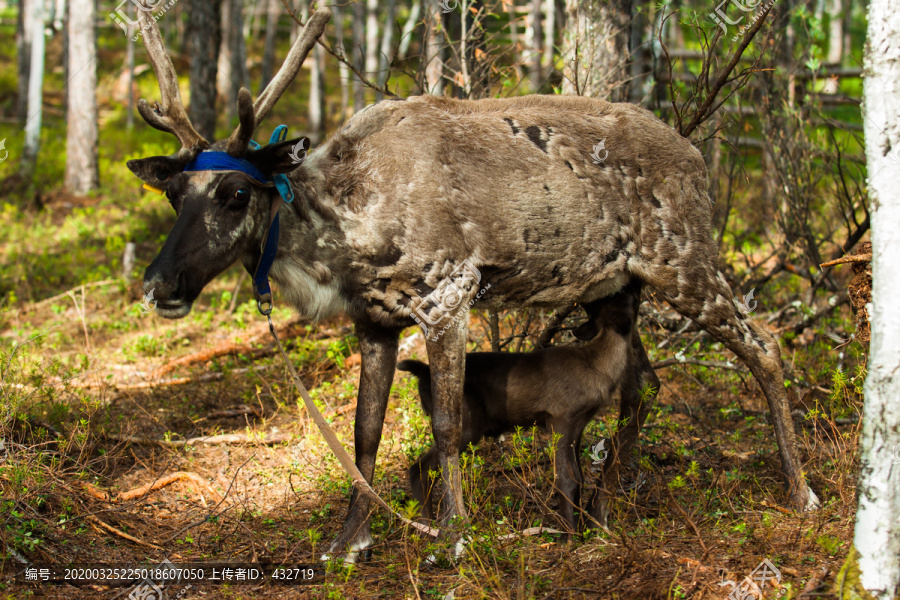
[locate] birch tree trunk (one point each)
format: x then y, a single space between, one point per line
317 93
835 42
82 175
549 34
877 534
536 30
433 50
35 91
268 62
596 48
232 73
344 73
23 55
129 66
385 56
358 55
205 37
407 34
372 38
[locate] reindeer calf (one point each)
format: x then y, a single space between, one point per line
560 388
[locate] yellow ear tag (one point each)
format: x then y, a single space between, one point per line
149 187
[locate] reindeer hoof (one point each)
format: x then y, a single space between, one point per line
355 552
812 502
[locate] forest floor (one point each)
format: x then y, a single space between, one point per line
100 396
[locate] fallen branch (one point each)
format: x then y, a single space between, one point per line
813 584
528 532
166 481
847 259
251 348
341 410
73 290
213 440
122 534
671 362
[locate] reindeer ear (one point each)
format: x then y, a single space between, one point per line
155 170
280 157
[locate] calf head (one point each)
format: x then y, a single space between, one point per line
617 312
222 193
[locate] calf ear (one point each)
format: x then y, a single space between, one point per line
155 170
586 331
280 157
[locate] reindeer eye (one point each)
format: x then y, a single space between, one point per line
242 195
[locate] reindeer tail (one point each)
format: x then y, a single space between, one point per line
421 371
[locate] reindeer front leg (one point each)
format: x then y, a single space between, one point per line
378 349
447 358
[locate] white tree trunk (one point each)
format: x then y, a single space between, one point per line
406 35
23 55
35 91
434 50
358 54
343 71
82 175
371 38
877 535
385 56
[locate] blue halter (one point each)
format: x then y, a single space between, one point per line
222 161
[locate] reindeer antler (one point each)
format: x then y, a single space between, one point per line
171 116
252 113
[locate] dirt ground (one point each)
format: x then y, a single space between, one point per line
97 469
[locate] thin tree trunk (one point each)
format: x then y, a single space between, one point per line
35 92
600 33
835 41
433 50
223 76
205 35
536 73
549 34
406 35
129 65
371 38
317 93
877 533
23 54
344 73
268 63
358 55
385 56
82 175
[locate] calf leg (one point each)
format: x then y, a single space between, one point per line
422 480
378 350
639 391
568 476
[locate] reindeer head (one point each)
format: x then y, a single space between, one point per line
222 193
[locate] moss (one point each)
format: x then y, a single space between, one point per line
847 584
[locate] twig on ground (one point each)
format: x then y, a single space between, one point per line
166 481
124 535
847 259
671 362
212 440
83 286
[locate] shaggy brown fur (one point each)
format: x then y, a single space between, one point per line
408 191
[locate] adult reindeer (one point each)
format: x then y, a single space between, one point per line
409 194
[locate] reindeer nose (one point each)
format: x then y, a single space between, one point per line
164 286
